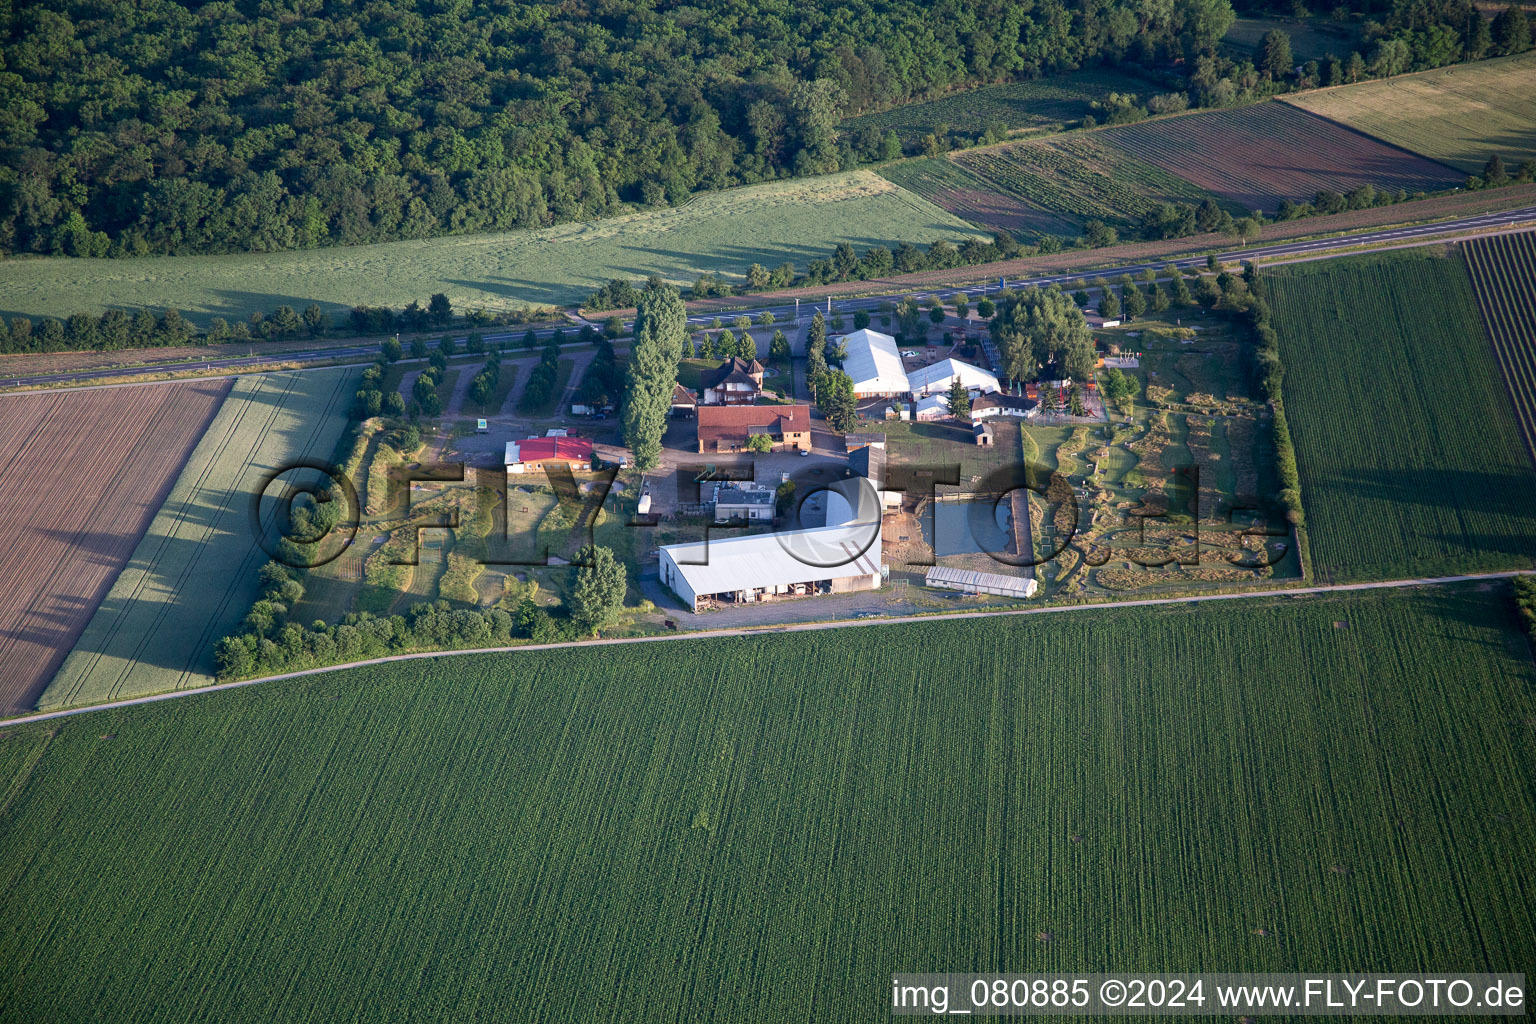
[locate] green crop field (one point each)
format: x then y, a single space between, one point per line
1458 115
727 231
1410 456
764 829
193 576
1041 105
1082 177
1503 270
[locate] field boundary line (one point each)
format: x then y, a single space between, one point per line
751 631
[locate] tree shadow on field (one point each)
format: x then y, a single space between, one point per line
193 571
531 293
1484 613
1509 493
229 304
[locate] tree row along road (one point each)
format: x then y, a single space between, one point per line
749 631
1321 248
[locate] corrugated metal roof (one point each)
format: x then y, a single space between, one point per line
981 582
777 559
874 363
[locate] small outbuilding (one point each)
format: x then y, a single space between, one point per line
538 453
1001 406
969 581
683 402
743 501
853 442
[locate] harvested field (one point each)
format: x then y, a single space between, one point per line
1458 115
193 576
1261 154
795 220
1080 178
954 189
1503 271
81 475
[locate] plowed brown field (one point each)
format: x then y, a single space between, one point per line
81 475
1261 154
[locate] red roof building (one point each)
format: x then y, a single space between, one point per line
726 428
535 453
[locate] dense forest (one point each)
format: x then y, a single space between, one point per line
236 125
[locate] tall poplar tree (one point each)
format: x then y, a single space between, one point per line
661 327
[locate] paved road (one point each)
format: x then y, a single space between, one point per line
709 634
1382 236
361 353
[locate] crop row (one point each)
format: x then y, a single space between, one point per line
961 191
758 829
81 475
1503 270
1409 453
1080 177
193 576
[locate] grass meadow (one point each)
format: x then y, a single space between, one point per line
1045 104
192 577
1311 39
766 828
1459 115
1411 460
726 231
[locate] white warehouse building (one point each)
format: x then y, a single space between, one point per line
936 379
874 363
839 558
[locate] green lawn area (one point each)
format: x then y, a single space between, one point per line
797 221
193 576
766 828
1410 457
689 371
